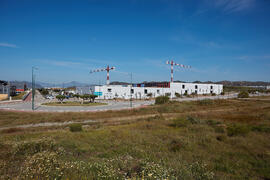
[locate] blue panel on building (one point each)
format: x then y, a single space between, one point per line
98 93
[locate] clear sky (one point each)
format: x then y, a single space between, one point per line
220 39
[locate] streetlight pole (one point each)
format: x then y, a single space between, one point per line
130 90
33 88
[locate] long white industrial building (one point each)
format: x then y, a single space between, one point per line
141 91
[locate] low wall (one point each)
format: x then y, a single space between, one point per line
3 96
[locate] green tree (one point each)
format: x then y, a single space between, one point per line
60 98
93 97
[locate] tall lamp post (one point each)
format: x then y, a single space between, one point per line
130 90
33 87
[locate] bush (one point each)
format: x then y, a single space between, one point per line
175 145
75 127
221 138
179 122
193 120
235 130
213 122
161 100
243 94
222 93
213 94
177 95
261 128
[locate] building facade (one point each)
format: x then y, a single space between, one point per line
142 92
4 90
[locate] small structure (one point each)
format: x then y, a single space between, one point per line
84 90
18 91
4 90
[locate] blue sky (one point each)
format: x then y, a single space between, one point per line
220 39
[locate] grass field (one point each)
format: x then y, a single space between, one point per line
208 139
73 103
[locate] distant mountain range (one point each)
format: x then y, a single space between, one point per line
225 83
20 84
65 85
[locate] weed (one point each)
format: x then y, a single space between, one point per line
75 127
161 100
261 128
219 129
237 129
243 94
12 130
205 102
176 145
34 146
180 122
221 138
193 120
212 122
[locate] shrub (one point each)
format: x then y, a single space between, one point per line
213 94
179 122
222 93
193 120
75 127
235 130
34 146
161 100
177 95
243 94
212 122
261 128
175 145
221 138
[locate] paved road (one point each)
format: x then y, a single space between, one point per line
112 105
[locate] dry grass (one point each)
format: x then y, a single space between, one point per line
223 139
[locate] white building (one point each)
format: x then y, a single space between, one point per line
124 92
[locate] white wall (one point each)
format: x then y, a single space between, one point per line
118 91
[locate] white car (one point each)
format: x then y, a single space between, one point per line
50 97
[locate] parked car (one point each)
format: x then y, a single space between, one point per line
50 97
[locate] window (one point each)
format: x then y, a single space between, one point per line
196 92
109 90
211 87
158 91
145 91
132 91
196 86
183 86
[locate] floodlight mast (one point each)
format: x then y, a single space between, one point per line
172 63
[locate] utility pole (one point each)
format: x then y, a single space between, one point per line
33 88
130 90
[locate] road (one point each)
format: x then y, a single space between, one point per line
112 105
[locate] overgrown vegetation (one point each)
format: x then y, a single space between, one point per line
75 127
216 139
243 94
161 100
